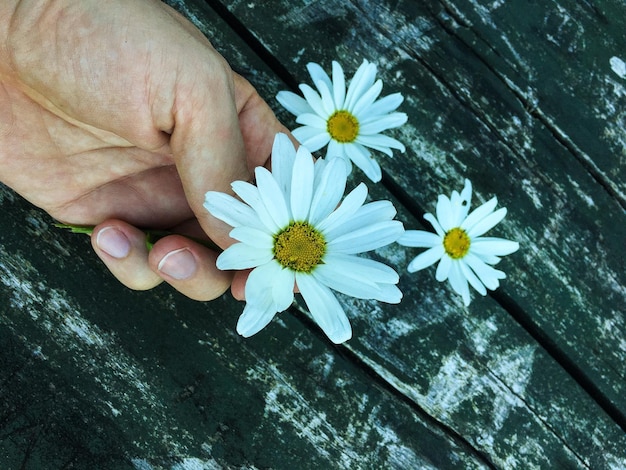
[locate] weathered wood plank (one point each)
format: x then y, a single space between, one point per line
467 99
514 366
95 376
474 371
563 60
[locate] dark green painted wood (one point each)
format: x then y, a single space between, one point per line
96 375
475 98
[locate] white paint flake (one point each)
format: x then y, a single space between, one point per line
196 464
618 66
458 382
96 353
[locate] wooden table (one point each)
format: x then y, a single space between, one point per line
528 100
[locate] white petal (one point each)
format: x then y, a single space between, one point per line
444 213
311 138
317 74
380 142
348 207
258 289
376 211
312 120
472 278
230 210
369 214
242 256
362 269
339 85
362 80
466 194
329 190
489 276
314 100
283 282
335 149
388 121
254 318
250 194
443 268
479 214
493 246
487 223
435 223
384 105
425 259
293 103
367 238
272 197
260 306
253 237
389 293
488 259
270 284
302 185
319 166
368 98
325 308
459 283
460 204
283 156
362 158
327 98
419 239
343 284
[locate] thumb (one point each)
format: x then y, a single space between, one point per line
207 142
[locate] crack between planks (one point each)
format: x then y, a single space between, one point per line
254 43
561 357
530 104
506 302
526 322
516 312
539 418
368 368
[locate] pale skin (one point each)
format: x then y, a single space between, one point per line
120 114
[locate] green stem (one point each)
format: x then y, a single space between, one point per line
152 236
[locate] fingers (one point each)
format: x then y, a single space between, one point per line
186 265
238 286
212 149
189 267
257 122
206 141
123 250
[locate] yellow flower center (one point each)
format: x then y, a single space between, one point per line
299 247
343 127
456 243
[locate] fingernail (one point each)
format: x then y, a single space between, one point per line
178 264
113 242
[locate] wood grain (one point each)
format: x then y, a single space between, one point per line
473 113
93 375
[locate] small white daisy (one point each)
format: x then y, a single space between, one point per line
348 122
292 230
463 254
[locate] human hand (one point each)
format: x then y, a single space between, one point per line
120 114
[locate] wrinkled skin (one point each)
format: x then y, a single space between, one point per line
121 114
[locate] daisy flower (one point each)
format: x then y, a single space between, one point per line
292 231
349 122
464 255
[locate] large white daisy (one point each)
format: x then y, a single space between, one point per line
348 122
464 255
292 231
